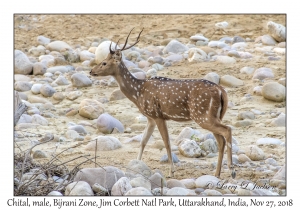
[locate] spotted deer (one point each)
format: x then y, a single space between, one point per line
161 99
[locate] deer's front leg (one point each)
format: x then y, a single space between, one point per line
146 136
162 127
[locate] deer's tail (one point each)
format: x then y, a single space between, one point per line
224 103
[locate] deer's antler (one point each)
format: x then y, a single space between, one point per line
137 40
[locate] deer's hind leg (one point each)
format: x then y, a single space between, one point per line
146 136
223 135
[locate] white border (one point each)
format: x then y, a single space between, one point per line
153 6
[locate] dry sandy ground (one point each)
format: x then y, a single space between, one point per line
83 29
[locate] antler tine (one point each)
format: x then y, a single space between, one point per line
137 40
127 39
110 50
117 45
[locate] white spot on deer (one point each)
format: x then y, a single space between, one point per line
134 97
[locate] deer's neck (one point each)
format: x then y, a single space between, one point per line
129 85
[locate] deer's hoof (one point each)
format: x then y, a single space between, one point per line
233 174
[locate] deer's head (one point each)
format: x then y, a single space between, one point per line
110 65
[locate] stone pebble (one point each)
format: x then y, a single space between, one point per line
231 81
107 123
104 143
22 86
47 90
175 46
22 65
277 31
263 73
80 80
273 91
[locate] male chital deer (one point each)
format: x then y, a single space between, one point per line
161 99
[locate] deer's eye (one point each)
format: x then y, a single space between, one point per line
104 63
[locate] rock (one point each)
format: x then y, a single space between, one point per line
71 134
106 176
243 123
106 124
37 51
25 118
246 115
78 128
280 121
38 154
225 59
273 91
165 159
90 109
80 80
36 99
43 40
58 46
129 64
263 73
58 96
210 146
173 59
233 53
199 37
268 40
158 67
175 46
39 68
207 181
142 64
282 45
140 182
257 90
140 191
247 70
212 192
268 141
277 31
222 25
97 188
189 183
186 133
280 51
231 81
271 161
103 50
133 55
86 55
74 95
21 77
189 148
47 91
62 69
239 46
178 191
254 153
237 39
155 181
55 193
61 80
213 77
282 81
140 75
22 86
156 59
121 187
245 55
138 167
151 73
112 82
171 183
22 63
116 95
280 175
79 188
196 54
262 192
242 158
38 119
104 143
